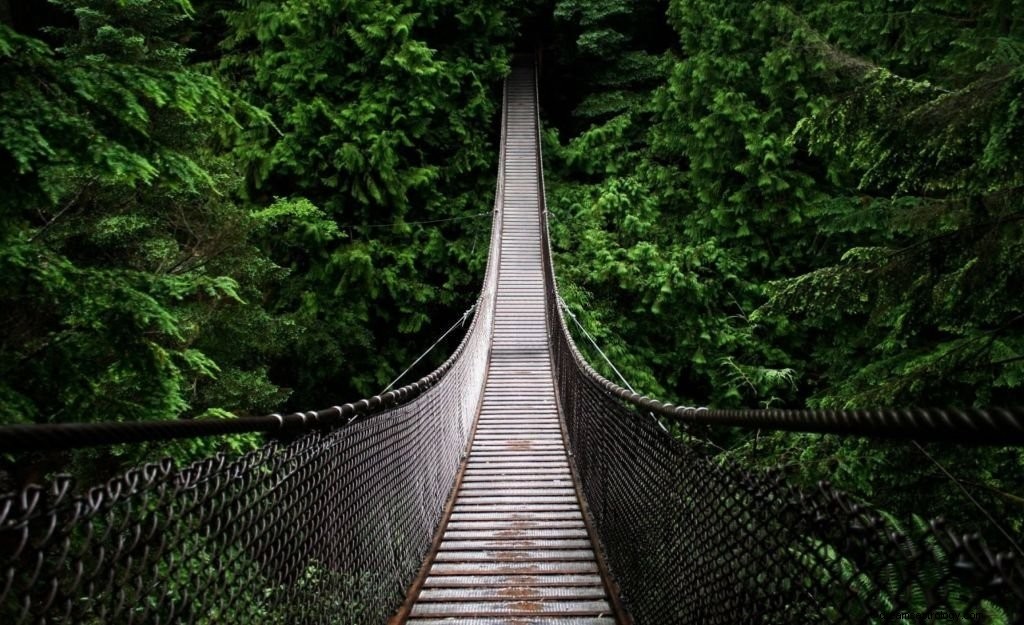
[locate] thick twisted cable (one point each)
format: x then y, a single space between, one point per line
64 436
990 426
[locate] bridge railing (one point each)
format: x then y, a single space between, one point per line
327 524
690 538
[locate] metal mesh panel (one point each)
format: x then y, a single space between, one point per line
330 527
693 540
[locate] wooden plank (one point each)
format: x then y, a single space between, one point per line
519 620
537 593
477 581
512 608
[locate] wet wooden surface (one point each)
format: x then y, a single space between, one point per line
516 550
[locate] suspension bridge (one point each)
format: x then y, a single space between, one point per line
513 485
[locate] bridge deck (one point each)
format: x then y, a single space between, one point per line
515 549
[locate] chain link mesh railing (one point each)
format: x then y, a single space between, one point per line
329 526
690 538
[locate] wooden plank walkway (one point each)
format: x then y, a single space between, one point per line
516 550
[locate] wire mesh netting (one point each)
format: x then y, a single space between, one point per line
330 524
328 528
690 539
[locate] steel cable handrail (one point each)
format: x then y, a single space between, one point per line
990 426
63 436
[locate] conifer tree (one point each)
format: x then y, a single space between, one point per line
124 260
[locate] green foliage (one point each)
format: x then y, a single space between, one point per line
383 117
130 284
811 204
202 239
686 248
606 43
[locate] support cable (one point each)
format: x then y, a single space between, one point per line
970 497
593 342
590 338
461 322
62 436
415 223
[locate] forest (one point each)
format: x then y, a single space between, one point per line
219 208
